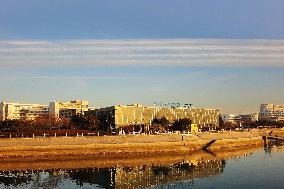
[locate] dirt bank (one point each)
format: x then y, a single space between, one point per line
121 147
135 161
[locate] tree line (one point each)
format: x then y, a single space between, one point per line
86 122
93 123
163 124
77 122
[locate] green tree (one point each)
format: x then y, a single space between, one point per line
164 122
85 122
50 123
161 124
221 122
14 125
229 125
182 124
92 123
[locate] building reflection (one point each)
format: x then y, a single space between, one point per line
271 145
146 176
115 177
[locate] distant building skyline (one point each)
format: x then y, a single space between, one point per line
79 106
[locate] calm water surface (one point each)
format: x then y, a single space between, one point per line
261 169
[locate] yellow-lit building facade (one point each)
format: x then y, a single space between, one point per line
68 109
121 116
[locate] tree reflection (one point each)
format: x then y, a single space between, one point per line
49 179
15 178
103 177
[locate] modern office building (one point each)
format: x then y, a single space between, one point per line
239 119
22 111
135 114
232 118
68 109
246 118
271 112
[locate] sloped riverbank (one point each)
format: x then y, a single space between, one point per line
128 146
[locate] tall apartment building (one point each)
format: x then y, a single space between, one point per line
271 112
135 114
31 111
68 109
22 111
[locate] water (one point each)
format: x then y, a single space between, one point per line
264 168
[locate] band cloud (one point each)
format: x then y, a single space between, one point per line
181 52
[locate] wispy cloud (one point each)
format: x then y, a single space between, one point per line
185 52
64 77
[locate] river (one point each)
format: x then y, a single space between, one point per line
258 168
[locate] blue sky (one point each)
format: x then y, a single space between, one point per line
112 19
222 54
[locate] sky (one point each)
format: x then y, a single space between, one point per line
222 54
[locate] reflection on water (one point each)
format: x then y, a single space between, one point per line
233 173
273 145
113 177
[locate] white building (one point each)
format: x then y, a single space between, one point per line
68 109
22 111
249 117
232 118
271 112
31 111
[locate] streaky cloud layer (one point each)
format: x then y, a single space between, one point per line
176 52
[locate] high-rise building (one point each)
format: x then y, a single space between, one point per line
271 112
